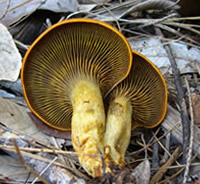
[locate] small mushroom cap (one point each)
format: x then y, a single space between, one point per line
65 53
146 89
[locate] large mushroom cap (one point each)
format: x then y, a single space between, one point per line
146 89
68 51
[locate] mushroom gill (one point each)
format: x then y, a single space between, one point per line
139 100
65 73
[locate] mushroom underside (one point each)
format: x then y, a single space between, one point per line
139 100
65 73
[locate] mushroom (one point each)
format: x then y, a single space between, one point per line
139 100
66 73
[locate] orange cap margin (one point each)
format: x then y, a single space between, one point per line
165 86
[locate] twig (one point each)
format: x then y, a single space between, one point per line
6 10
181 100
61 157
26 165
185 18
151 4
167 145
21 45
171 177
189 157
157 21
150 144
64 156
155 157
176 166
19 5
179 34
145 145
163 147
36 161
117 6
180 170
114 17
102 161
43 171
164 168
184 26
198 68
44 150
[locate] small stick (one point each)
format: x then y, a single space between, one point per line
26 165
114 17
171 177
150 144
44 150
145 146
33 160
21 45
151 4
167 145
157 21
103 163
181 100
163 147
164 168
43 171
189 157
6 10
155 157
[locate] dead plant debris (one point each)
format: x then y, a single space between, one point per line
161 30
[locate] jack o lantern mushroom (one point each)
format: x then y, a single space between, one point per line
139 100
65 73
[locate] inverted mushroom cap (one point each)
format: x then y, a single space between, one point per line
146 89
66 52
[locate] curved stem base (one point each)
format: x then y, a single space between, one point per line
118 130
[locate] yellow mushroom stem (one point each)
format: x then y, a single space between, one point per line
88 125
118 130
